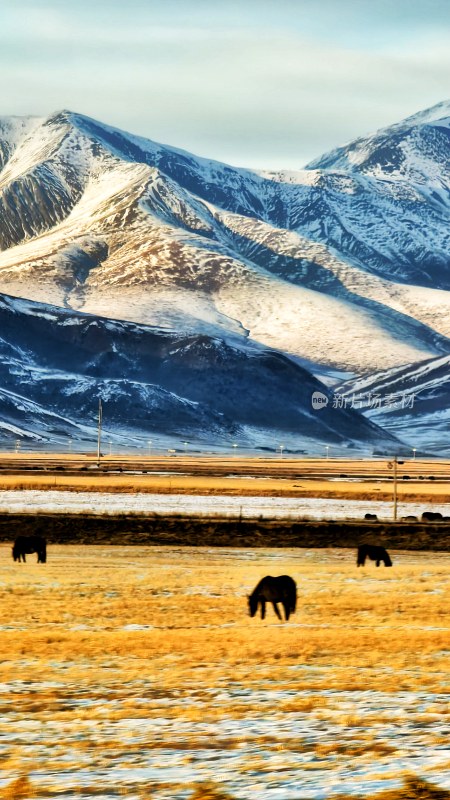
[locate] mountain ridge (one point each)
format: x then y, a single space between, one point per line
167 224
343 266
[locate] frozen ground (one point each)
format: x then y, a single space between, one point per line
265 753
103 503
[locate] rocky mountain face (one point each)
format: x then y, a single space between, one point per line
342 269
56 364
412 402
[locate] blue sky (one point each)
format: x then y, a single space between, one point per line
258 83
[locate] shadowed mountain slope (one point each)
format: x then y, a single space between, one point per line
56 364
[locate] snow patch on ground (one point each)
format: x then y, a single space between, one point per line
51 501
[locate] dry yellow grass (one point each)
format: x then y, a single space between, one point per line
19 789
106 641
270 476
211 485
180 598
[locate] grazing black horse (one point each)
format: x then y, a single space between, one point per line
431 516
30 544
282 589
373 552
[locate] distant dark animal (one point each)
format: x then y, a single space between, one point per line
24 545
372 517
431 516
373 552
281 589
409 518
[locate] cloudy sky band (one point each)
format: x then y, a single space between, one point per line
262 84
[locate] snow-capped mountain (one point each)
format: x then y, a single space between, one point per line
105 222
411 402
343 267
55 365
401 176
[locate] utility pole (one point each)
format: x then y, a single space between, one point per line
99 434
395 488
393 465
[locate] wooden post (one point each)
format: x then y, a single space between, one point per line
99 434
395 488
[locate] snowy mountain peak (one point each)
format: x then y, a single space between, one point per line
439 113
416 145
343 268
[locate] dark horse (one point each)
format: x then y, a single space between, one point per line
274 590
373 552
30 544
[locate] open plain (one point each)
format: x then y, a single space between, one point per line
136 672
424 480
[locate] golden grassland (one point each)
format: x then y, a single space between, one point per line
413 789
220 485
103 636
421 480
